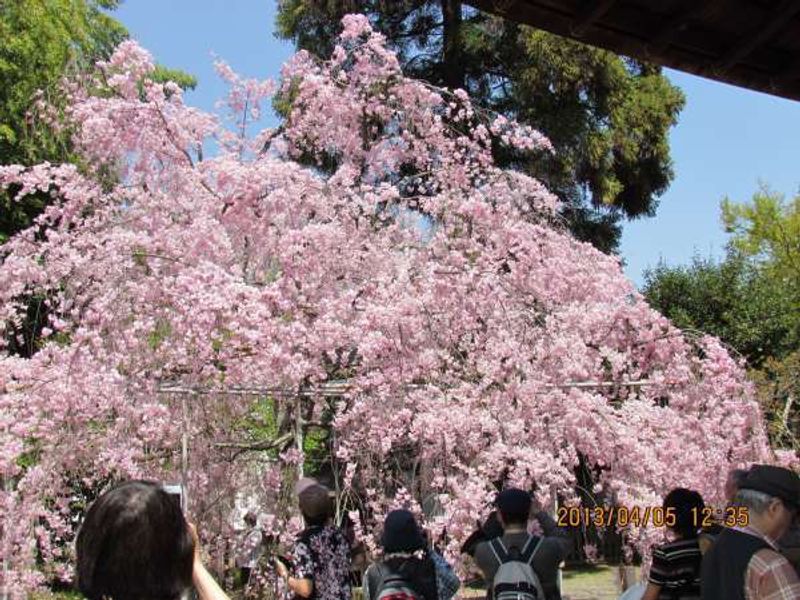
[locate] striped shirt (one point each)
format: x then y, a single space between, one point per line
676 569
769 575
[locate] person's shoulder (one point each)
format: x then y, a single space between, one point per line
677 549
769 558
370 571
679 546
483 552
546 541
555 547
713 530
791 539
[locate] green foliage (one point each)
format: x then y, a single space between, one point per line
160 332
262 422
42 42
751 300
607 116
778 385
767 229
732 300
315 450
30 457
163 74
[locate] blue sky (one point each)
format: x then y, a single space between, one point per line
727 140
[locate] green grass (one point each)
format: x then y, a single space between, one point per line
591 582
598 582
588 582
55 596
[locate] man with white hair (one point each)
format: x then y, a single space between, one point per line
745 563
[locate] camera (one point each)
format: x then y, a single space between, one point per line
175 492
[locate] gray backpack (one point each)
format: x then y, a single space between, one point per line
393 586
515 578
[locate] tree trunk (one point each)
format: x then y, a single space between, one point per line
453 68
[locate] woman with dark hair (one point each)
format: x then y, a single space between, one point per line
408 566
675 571
135 544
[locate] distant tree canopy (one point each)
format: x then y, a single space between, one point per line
44 41
607 116
732 299
750 300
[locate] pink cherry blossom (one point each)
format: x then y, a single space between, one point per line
374 224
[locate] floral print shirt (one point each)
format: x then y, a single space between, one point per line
322 555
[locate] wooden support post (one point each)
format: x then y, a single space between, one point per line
185 452
298 433
4 591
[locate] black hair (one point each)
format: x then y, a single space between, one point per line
316 521
492 527
515 517
315 505
134 544
514 506
687 506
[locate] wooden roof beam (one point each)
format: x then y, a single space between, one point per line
693 11
593 12
785 13
789 73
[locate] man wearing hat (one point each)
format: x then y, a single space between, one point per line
745 562
513 512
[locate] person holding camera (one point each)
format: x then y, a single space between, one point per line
522 564
135 544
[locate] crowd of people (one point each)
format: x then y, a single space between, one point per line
135 544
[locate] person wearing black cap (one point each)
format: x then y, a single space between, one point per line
744 563
513 512
406 563
321 554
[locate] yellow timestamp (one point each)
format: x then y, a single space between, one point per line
644 516
731 516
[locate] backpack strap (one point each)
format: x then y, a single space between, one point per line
502 555
499 550
528 559
385 575
380 575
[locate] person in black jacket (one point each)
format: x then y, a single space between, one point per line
514 509
744 562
